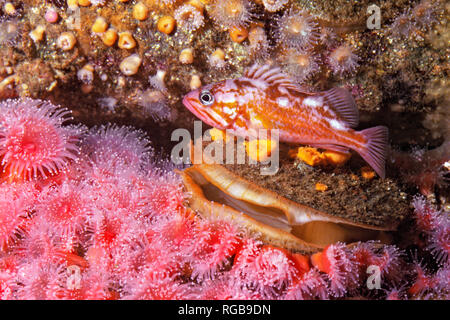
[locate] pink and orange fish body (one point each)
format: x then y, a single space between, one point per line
264 98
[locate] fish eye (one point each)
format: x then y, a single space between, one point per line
206 98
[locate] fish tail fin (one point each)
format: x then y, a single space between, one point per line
374 152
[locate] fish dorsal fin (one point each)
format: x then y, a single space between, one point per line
342 102
339 99
270 75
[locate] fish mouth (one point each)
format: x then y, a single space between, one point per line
189 105
201 114
196 111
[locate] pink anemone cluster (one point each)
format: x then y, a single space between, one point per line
434 226
109 223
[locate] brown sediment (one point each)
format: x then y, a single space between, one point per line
353 198
348 196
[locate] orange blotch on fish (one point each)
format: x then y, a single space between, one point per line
220 135
260 149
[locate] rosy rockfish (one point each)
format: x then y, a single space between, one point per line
265 98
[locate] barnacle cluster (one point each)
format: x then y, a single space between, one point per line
311 43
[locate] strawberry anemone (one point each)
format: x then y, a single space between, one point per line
216 244
338 262
264 269
16 206
33 139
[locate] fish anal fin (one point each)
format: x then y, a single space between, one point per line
342 102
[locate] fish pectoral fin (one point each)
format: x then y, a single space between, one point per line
342 102
332 147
